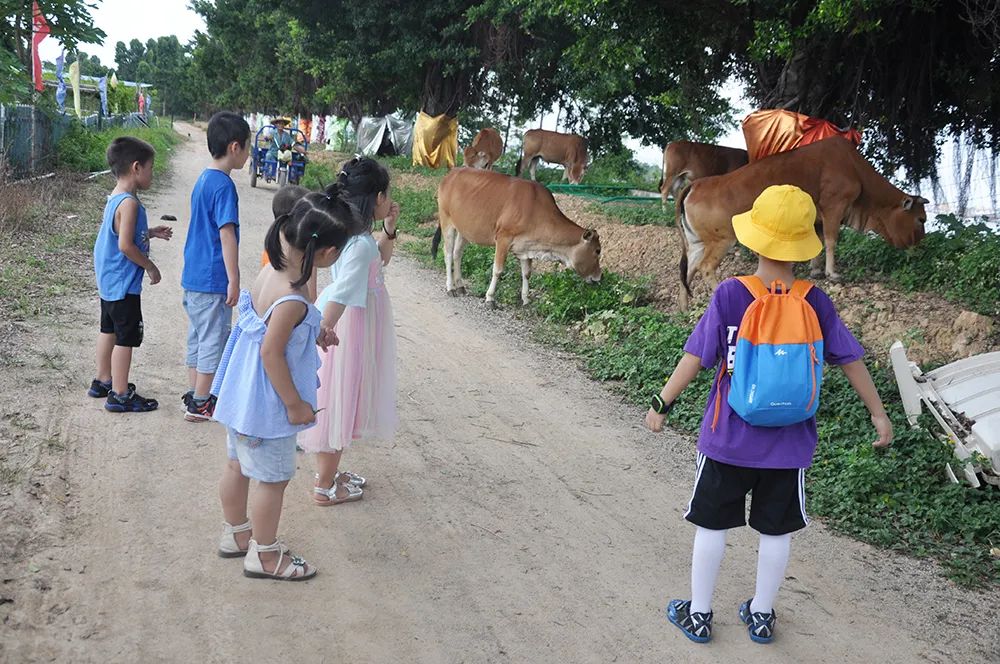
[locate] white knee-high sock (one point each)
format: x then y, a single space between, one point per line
709 548
772 559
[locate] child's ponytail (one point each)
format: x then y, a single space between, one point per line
272 243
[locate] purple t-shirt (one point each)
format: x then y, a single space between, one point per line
734 441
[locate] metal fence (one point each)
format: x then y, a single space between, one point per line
29 136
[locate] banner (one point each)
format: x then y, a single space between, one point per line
74 79
61 88
40 30
102 86
114 80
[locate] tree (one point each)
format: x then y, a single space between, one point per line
127 59
90 65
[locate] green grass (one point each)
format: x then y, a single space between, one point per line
84 150
644 214
897 499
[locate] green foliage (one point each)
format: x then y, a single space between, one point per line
643 214
959 260
84 150
318 175
418 207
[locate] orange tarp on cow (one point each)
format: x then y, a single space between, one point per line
435 141
771 131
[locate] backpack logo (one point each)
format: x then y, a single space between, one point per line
777 370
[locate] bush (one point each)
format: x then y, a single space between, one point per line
85 151
960 260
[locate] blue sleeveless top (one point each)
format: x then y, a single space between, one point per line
117 276
247 401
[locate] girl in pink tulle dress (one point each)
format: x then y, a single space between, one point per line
357 393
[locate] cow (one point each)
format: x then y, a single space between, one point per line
570 150
513 215
844 186
484 151
686 161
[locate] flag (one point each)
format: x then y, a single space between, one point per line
40 29
102 86
149 102
74 79
61 89
142 102
114 80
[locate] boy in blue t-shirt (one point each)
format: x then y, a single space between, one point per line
121 257
211 276
736 458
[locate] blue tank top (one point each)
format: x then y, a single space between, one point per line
117 276
248 401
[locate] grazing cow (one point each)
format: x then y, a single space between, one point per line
484 151
844 186
686 161
513 215
570 150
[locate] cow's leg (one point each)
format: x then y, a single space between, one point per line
459 282
525 275
450 234
816 264
534 167
499 259
708 267
832 215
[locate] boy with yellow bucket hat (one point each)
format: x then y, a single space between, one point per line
765 459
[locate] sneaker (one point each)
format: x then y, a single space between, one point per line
100 390
759 625
202 412
696 626
130 402
187 399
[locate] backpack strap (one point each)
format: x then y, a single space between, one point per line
754 284
801 288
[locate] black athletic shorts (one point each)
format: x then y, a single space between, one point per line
777 503
123 318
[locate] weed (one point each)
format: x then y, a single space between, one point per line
84 150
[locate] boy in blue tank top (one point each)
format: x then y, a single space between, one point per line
211 276
121 257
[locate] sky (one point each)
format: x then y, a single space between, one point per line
125 20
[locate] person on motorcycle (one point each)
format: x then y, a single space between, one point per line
282 142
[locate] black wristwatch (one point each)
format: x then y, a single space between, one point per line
659 406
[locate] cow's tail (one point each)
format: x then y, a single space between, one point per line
517 166
683 228
436 241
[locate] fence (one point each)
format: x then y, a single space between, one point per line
29 135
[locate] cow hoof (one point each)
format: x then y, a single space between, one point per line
490 304
834 278
817 274
461 290
452 293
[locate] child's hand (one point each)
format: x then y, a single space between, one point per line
884 428
655 421
393 214
161 232
327 337
301 412
232 294
154 274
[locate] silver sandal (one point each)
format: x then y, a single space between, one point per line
353 494
228 548
347 477
297 570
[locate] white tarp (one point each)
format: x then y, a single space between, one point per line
390 134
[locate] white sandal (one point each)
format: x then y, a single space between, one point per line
347 477
297 570
228 548
329 496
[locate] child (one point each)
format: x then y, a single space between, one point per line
121 257
211 276
734 457
358 377
266 383
282 203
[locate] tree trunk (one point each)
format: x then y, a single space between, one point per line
443 94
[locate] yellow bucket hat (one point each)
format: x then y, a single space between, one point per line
781 225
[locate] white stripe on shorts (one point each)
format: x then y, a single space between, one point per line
699 466
802 495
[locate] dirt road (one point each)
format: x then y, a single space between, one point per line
521 515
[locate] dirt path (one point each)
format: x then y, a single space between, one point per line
521 515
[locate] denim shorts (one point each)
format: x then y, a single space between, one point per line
211 321
262 459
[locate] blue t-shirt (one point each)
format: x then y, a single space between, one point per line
713 340
214 204
117 276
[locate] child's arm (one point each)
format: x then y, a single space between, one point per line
128 215
686 370
386 244
861 381
283 320
231 259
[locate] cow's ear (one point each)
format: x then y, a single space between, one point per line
922 200
589 235
907 202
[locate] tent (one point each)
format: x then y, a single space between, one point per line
386 135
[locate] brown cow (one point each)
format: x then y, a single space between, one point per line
484 151
514 215
686 161
570 150
844 186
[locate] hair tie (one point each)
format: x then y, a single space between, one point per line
315 236
343 172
